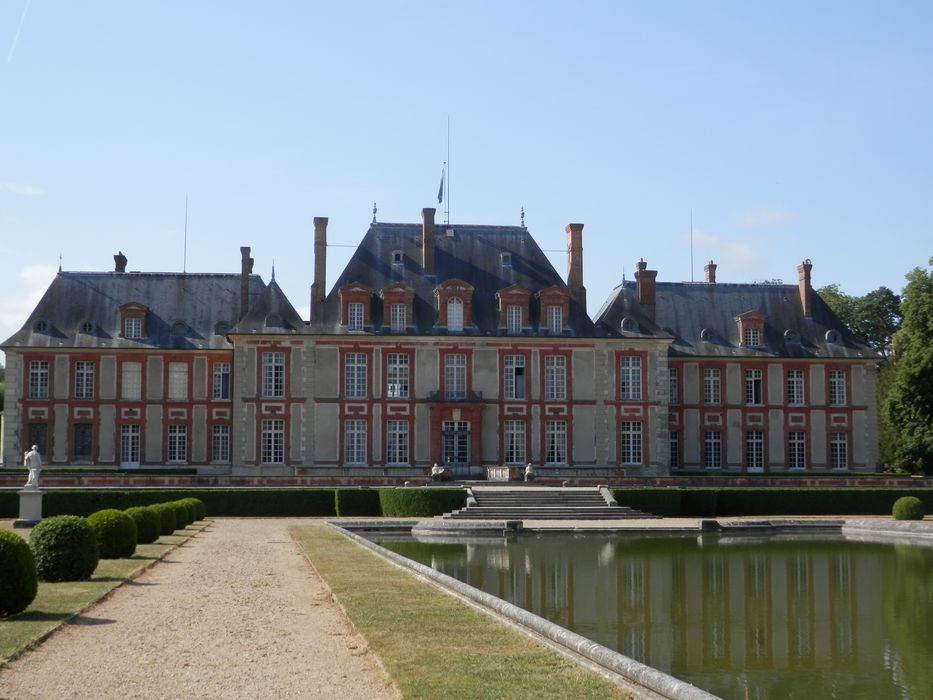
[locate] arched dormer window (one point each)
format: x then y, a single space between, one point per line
454 299
455 314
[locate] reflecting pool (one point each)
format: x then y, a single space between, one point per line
776 617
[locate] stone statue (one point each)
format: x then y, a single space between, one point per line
437 473
33 462
529 472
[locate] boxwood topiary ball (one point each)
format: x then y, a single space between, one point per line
182 514
65 548
908 508
18 581
166 518
197 508
116 533
148 523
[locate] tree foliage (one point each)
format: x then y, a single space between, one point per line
873 318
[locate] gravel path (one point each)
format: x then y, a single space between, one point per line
235 612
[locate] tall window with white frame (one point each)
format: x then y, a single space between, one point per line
555 442
513 319
795 396
630 377
273 375
455 376
354 441
84 380
220 444
555 320
398 318
221 388
177 443
397 375
513 381
631 442
674 454
754 395
39 379
754 450
555 378
751 337
272 441
838 450
837 387
397 442
514 431
455 314
133 328
673 387
131 381
712 387
796 449
712 449
177 381
355 316
354 375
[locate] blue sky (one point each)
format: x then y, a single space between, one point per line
791 130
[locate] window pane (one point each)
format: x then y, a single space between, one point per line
39 379
555 378
354 378
220 444
514 442
513 381
397 376
177 443
177 381
455 385
221 380
455 314
273 375
630 376
397 442
555 442
354 442
355 316
711 386
514 319
84 380
631 442
398 318
795 387
273 442
131 381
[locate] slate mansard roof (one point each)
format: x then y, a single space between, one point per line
470 253
185 310
702 319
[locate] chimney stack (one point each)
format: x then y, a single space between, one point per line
246 269
119 262
575 264
427 240
806 291
710 270
319 286
646 287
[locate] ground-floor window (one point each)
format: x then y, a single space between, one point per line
838 451
631 442
514 442
712 449
555 442
273 441
397 442
220 444
38 435
177 443
755 449
675 450
796 450
354 441
83 438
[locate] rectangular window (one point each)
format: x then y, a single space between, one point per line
399 318
220 444
712 392
631 442
177 381
221 380
397 376
513 383
555 442
753 384
354 442
273 375
455 384
555 320
355 316
838 451
837 387
751 337
354 375
177 443
514 442
133 328
673 388
513 317
39 379
795 387
674 450
131 381
555 378
84 380
129 445
397 442
796 450
630 375
455 315
755 449
273 441
712 449
83 437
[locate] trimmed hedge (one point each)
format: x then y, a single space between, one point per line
18 580
65 548
659 501
362 501
908 508
166 514
183 514
199 512
424 502
148 523
116 533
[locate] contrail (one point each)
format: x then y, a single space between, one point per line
22 19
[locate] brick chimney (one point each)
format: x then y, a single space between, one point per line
646 287
803 283
246 269
319 286
575 263
119 262
427 240
709 271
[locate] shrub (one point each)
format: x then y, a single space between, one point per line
908 508
417 503
18 581
148 523
65 548
116 533
166 518
357 502
657 501
197 507
182 514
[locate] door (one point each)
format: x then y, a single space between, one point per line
129 446
456 441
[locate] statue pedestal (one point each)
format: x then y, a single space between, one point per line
30 508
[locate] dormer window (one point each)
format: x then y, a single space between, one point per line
555 320
396 303
506 259
396 257
751 337
133 320
355 306
555 309
629 325
133 328
832 336
751 326
454 300
514 319
86 327
355 316
455 314
41 326
513 309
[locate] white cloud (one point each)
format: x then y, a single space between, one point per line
19 190
20 298
763 217
738 254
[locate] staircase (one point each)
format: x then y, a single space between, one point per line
541 503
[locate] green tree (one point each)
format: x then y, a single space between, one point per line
908 405
873 318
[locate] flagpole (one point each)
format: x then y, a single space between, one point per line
447 171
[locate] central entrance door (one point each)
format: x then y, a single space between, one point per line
456 446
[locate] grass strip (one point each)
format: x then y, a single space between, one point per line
431 644
57 603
